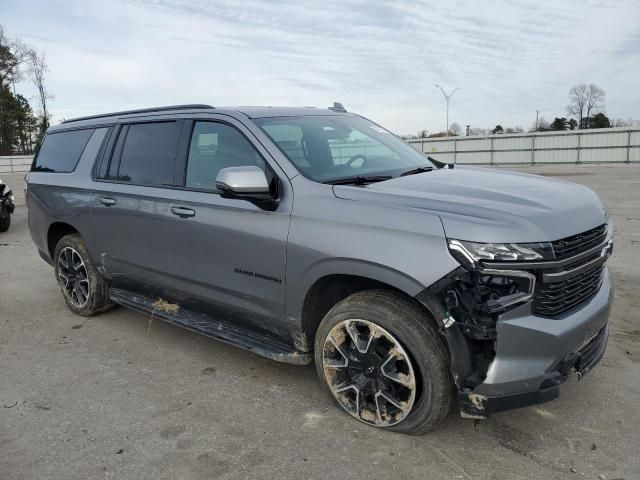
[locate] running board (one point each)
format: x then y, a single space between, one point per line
211 327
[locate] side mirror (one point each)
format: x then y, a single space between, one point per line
247 183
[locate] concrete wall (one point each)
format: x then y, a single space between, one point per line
15 164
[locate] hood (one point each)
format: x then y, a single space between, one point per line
487 205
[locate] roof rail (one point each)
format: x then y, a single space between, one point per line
142 110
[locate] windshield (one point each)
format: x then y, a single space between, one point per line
330 148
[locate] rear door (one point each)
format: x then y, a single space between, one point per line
227 256
129 207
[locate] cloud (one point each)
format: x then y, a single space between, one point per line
379 58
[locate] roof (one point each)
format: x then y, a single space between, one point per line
251 112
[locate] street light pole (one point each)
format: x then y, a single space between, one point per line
447 98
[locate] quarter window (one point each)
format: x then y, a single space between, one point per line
215 146
149 153
61 151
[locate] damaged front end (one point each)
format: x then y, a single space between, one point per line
470 300
501 281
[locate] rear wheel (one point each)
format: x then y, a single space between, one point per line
384 363
5 219
83 288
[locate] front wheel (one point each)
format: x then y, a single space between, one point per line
384 362
5 219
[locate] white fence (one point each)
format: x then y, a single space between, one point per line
606 145
15 164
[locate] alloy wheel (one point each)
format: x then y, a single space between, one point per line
72 274
369 372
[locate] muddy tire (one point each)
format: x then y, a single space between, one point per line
383 361
84 290
5 219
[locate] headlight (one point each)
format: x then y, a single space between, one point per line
474 252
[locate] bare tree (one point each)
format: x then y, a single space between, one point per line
585 100
38 69
577 102
595 100
455 129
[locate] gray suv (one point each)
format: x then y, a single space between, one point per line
305 234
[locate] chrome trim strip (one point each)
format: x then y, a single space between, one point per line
605 252
459 247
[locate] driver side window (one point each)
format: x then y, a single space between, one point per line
215 146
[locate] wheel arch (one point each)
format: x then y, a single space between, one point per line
332 281
55 232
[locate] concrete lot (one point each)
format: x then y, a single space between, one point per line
100 398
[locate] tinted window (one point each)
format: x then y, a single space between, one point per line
215 146
149 153
60 152
93 146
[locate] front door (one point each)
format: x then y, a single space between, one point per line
227 256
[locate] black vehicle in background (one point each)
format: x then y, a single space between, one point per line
6 206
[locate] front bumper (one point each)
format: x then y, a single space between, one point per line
534 355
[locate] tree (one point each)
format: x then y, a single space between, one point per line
585 100
572 123
619 122
38 68
540 126
26 125
455 129
497 129
577 102
599 120
595 101
12 56
8 130
18 125
559 124
423 134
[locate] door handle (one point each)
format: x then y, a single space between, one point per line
106 201
183 212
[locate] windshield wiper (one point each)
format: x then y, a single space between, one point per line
416 170
359 180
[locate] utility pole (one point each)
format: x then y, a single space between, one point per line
447 98
536 129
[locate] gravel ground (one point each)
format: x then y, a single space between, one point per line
100 398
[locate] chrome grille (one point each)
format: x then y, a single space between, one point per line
576 244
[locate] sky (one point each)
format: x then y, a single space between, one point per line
381 59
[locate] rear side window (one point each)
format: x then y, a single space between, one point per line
61 151
148 153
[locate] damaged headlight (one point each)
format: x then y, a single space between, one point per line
473 252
